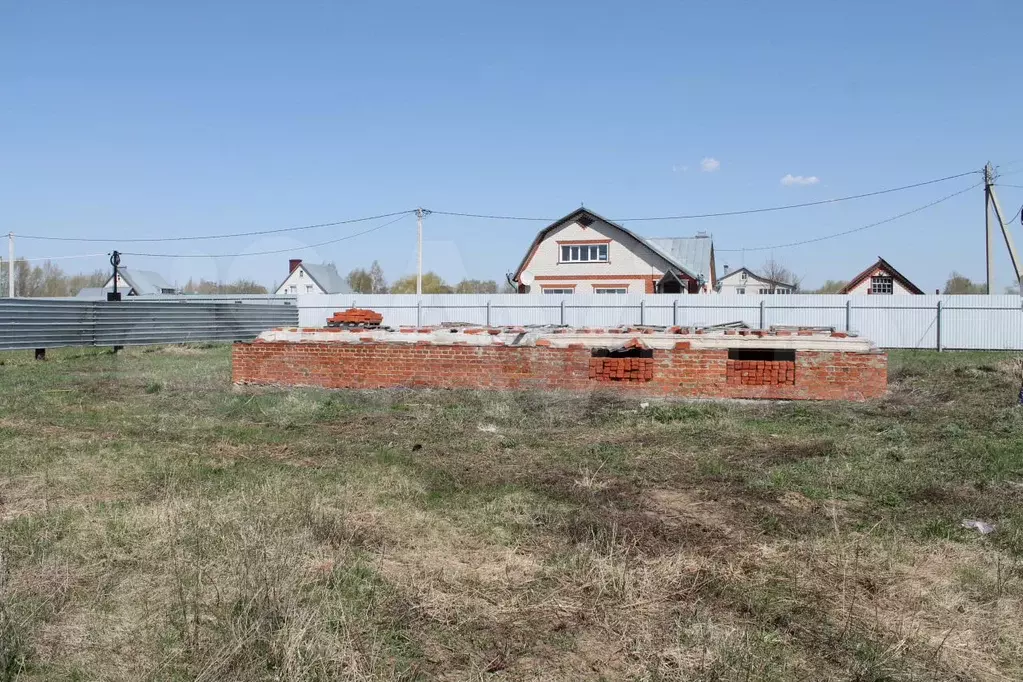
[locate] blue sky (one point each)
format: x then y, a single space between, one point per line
129 119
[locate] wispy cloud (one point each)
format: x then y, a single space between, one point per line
709 165
679 169
791 179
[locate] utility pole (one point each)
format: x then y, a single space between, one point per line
419 269
1017 266
10 264
989 234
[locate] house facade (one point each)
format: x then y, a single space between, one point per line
131 282
880 279
584 253
308 278
744 281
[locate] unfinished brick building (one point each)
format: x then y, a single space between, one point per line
676 362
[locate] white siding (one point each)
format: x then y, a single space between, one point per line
301 280
732 282
630 262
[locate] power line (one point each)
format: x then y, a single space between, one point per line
81 255
723 214
1003 185
265 253
216 236
857 229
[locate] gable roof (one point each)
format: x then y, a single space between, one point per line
327 278
665 253
693 254
881 264
142 281
767 280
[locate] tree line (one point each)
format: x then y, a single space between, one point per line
372 281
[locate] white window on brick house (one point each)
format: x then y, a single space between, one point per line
557 290
610 290
881 285
583 253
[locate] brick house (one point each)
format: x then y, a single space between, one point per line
880 278
587 254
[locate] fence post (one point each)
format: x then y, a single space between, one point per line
762 314
419 313
488 312
562 312
674 312
642 312
848 315
937 325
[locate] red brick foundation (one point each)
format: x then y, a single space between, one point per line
679 372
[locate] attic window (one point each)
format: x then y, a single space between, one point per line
881 285
585 221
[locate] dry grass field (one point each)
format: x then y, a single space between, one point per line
157 523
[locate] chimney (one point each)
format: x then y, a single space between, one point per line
293 263
726 268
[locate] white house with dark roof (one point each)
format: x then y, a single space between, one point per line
745 281
585 253
308 278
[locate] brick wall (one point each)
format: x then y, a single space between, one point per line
681 372
761 373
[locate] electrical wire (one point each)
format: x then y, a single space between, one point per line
257 233
857 229
1002 185
265 253
723 214
81 255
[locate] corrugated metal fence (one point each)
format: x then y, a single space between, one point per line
935 322
53 322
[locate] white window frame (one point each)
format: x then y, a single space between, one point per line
741 290
610 290
765 291
294 288
309 288
557 290
573 253
882 279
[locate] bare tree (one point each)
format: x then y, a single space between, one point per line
776 271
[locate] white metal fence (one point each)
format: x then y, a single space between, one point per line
935 322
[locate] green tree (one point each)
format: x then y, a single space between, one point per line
476 286
432 284
960 284
360 281
509 288
370 281
831 286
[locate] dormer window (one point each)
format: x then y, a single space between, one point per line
583 253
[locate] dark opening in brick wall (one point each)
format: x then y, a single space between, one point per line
762 354
622 353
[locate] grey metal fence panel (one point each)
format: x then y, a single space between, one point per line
50 323
966 322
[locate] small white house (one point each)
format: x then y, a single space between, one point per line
306 278
745 281
881 279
